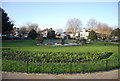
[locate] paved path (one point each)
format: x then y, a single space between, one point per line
97 75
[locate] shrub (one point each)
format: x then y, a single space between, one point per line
83 41
5 38
63 41
99 39
107 40
92 35
39 40
115 40
51 34
32 34
116 32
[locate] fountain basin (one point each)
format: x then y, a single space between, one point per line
66 44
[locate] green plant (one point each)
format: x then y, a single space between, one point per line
50 62
99 39
32 34
92 35
115 41
51 34
107 40
83 41
7 25
116 32
62 41
39 40
56 59
47 57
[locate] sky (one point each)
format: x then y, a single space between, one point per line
56 14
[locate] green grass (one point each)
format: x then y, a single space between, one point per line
30 45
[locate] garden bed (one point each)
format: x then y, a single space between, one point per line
25 56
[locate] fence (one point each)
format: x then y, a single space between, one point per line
39 62
56 68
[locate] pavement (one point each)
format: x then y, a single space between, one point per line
113 74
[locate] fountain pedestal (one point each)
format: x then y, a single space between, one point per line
63 41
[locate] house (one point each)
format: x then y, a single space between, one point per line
84 34
44 32
64 35
58 35
69 34
99 35
81 34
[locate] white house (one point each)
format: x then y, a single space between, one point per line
84 34
44 32
71 35
63 35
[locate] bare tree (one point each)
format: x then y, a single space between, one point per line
92 23
23 30
39 31
73 25
32 26
104 29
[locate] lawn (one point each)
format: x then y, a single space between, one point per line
58 59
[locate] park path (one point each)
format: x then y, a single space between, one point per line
113 74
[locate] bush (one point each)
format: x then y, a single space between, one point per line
83 41
5 38
16 37
39 40
63 41
107 40
115 40
51 34
32 34
99 39
116 32
92 35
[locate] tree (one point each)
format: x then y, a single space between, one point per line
73 25
32 34
23 30
39 31
32 26
7 25
92 23
39 38
51 34
116 32
14 30
92 35
104 29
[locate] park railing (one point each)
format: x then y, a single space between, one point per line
17 61
70 67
